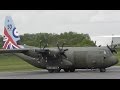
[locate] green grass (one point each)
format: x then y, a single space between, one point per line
12 63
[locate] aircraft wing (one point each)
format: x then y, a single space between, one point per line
13 50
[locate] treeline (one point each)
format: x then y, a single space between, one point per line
70 38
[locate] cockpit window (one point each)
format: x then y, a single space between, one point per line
108 52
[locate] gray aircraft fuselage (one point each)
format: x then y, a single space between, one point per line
77 58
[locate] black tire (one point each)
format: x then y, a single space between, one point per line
57 70
72 70
66 70
102 70
50 70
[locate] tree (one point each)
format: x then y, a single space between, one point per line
71 39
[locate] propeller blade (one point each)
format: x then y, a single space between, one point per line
111 43
58 46
112 49
109 48
45 46
62 51
40 43
115 46
64 55
115 51
62 45
66 50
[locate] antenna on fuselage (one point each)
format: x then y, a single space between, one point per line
112 41
95 43
99 46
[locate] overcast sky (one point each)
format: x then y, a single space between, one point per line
92 22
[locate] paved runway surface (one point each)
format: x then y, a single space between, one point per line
111 73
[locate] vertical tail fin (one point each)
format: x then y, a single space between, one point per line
11 36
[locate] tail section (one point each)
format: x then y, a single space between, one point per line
11 36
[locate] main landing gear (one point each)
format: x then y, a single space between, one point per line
54 70
102 70
58 70
66 70
71 70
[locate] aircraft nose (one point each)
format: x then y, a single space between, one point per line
114 60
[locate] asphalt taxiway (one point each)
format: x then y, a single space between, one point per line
111 73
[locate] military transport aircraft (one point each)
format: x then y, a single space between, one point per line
57 58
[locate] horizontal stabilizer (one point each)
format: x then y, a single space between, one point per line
13 50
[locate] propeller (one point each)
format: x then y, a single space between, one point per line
46 52
113 47
113 50
62 51
42 51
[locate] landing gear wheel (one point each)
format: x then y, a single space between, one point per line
57 70
50 70
102 70
72 70
66 70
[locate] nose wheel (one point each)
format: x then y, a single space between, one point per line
102 70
